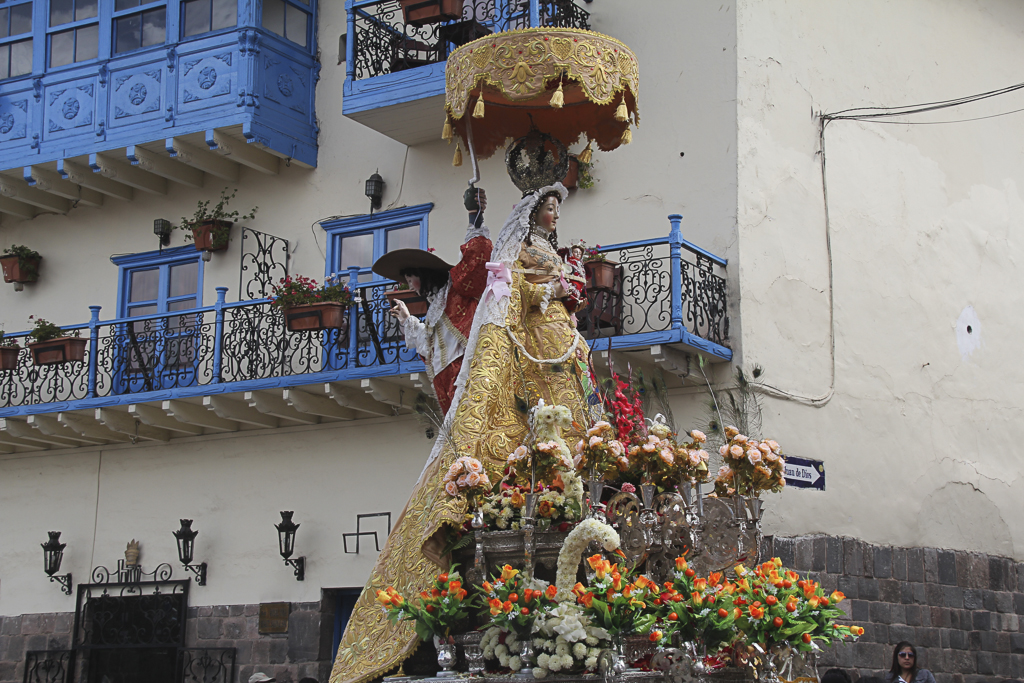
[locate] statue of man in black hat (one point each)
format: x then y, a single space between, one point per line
453 293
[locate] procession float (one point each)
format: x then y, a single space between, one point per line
566 528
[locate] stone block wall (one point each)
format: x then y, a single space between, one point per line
962 611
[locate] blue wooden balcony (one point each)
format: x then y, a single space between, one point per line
150 95
235 365
395 69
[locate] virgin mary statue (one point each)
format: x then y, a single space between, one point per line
523 346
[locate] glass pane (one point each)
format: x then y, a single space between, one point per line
136 311
5 61
61 11
21 19
88 43
356 250
154 27
144 285
404 238
183 280
296 25
85 9
183 305
21 58
125 4
5 15
305 2
128 33
273 16
62 48
197 17
225 14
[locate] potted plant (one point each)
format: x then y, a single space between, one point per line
420 12
571 179
309 306
210 228
50 344
586 178
600 271
414 301
9 351
20 264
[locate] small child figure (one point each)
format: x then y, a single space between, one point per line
573 257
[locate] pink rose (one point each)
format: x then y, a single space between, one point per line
451 489
628 488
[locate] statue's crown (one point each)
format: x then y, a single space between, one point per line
536 160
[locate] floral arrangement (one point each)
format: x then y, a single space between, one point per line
400 287
691 460
751 466
549 455
513 605
502 646
576 543
774 605
7 341
593 253
219 212
44 331
440 608
301 291
699 609
467 477
615 603
567 641
600 452
555 509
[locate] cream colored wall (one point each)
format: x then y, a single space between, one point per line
232 485
926 221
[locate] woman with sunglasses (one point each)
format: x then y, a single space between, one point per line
904 666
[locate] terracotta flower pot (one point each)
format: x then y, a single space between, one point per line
60 350
9 357
13 272
600 274
572 176
420 12
325 316
416 304
205 237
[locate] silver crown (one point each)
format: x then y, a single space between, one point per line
536 160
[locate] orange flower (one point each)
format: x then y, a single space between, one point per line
681 563
577 590
655 636
435 593
837 596
809 588
488 588
431 609
715 578
527 595
454 586
736 613
755 612
444 594
700 584
507 573
551 591
545 509
507 607
518 499
586 599
462 594
383 598
696 598
495 606
617 581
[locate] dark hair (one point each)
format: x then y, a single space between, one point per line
836 676
895 670
431 279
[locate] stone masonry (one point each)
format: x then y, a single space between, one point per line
963 612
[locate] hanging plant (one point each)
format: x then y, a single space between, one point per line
210 228
20 264
50 344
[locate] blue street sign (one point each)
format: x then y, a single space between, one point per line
805 473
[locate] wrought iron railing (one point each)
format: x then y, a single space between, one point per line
659 286
384 43
48 666
207 665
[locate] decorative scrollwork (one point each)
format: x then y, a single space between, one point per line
704 300
207 665
48 666
265 260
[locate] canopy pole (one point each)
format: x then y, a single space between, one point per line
472 152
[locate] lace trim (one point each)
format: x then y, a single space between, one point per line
545 301
416 336
472 233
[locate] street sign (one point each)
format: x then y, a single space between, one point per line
805 473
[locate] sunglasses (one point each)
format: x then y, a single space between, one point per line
907 654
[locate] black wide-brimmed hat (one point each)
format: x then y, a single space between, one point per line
391 264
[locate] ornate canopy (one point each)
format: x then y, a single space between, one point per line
566 82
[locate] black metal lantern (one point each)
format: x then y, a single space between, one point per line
375 191
186 537
53 554
286 542
162 229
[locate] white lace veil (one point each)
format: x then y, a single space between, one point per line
506 250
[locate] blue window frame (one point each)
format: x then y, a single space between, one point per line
160 288
139 24
15 39
73 33
290 19
358 242
203 16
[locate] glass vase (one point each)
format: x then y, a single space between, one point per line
446 657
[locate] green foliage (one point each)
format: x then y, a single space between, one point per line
9 342
585 180
738 406
43 330
301 290
219 212
28 260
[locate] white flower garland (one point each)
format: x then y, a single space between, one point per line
572 550
561 359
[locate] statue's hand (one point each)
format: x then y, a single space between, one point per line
560 291
399 310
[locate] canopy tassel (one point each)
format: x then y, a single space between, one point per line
478 110
586 155
446 132
621 112
558 98
457 161
627 136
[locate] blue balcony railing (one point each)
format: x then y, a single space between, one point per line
666 291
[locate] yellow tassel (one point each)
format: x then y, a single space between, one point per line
557 98
627 136
446 132
478 110
586 155
457 161
621 112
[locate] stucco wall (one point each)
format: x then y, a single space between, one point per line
926 238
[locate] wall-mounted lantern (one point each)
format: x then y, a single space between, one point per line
186 537
162 229
375 191
53 553
286 540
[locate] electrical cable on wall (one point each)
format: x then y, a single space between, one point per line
871 115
